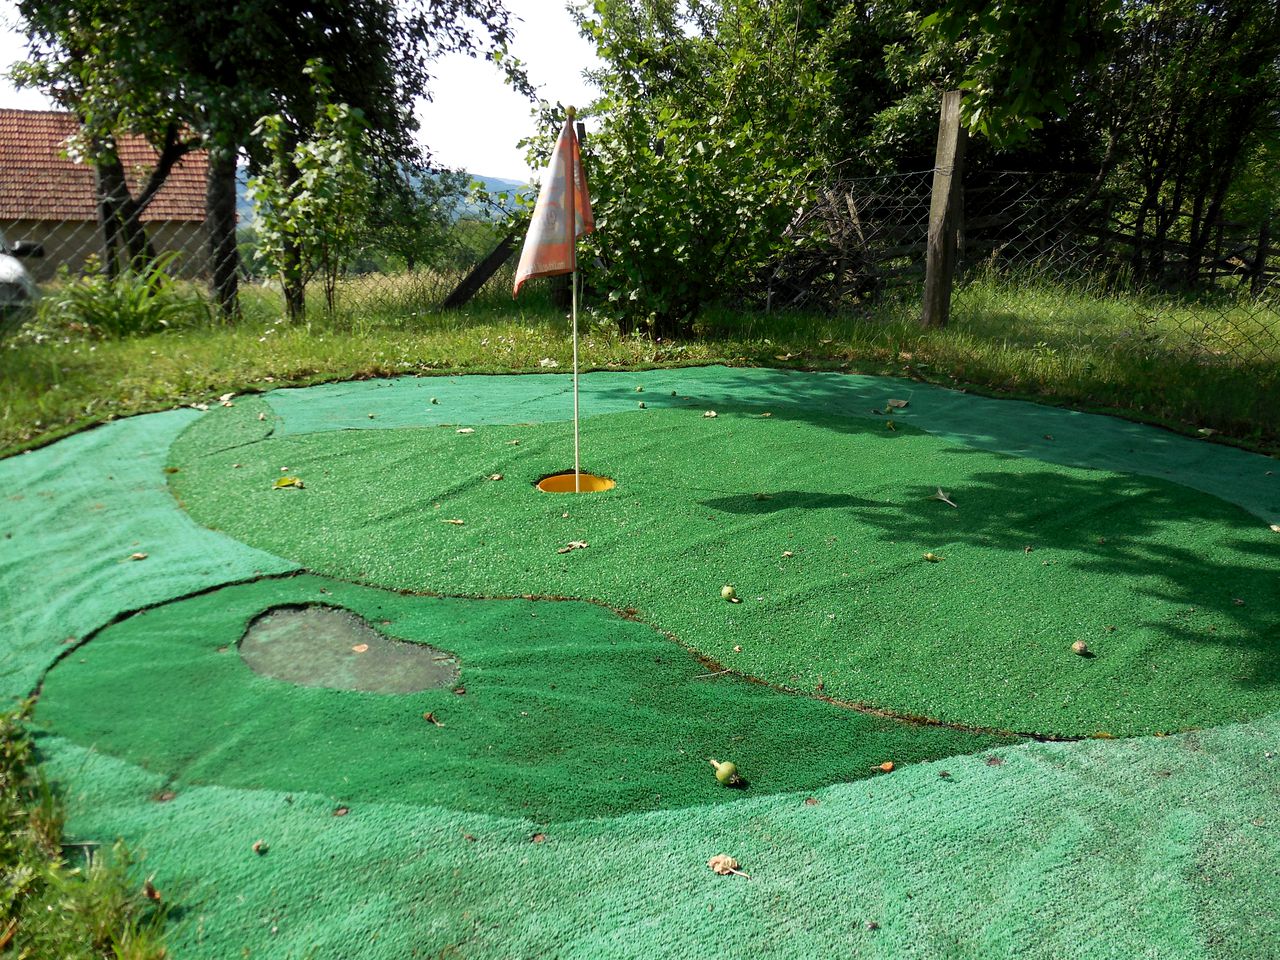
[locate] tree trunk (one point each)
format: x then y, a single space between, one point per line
126 212
107 204
295 287
220 225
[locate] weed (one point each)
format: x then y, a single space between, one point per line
49 907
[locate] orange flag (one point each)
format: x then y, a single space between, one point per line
561 215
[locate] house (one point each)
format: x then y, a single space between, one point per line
48 198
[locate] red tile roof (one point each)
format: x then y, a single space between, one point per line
38 182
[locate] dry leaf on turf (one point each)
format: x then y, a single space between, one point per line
260 847
455 522
137 556
886 767
285 482
710 414
149 890
262 416
1275 528
341 811
430 717
724 865
940 495
898 404
467 430
538 838
573 545
360 648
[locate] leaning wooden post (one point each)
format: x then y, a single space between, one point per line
945 215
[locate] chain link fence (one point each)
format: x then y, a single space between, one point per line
69 273
1030 241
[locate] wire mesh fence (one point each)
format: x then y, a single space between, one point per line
1028 238
859 244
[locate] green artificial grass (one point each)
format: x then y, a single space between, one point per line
1148 846
566 711
1175 592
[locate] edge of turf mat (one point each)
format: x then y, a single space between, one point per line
1016 427
1148 848
1152 847
72 516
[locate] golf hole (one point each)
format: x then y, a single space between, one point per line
321 646
564 483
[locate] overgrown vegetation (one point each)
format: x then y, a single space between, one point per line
130 302
70 902
1142 357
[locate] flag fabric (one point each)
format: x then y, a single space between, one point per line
561 215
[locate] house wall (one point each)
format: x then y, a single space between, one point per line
71 243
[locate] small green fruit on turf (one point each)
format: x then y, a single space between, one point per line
728 593
1080 648
726 773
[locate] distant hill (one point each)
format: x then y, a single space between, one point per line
244 208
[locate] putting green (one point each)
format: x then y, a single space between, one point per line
566 711
823 525
119 603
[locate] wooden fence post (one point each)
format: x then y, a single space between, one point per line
945 213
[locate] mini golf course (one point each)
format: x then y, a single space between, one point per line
360 689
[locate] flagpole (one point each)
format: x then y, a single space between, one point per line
571 113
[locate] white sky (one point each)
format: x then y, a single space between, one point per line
475 120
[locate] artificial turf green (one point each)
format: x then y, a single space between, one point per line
1175 592
1152 847
72 517
566 711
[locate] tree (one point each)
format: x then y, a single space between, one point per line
713 118
410 215
214 69
311 195
99 68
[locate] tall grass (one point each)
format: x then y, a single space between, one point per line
52 907
1141 357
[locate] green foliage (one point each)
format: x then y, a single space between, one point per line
312 194
48 907
713 119
411 216
131 303
1019 59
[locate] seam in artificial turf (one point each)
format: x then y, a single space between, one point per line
631 614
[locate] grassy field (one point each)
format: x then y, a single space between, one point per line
58 902
1192 368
